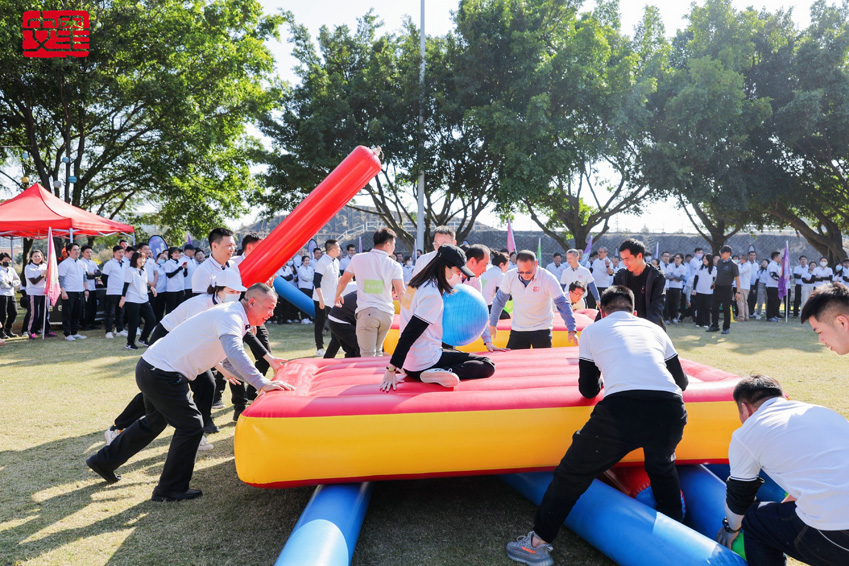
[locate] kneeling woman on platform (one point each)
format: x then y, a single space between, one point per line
419 351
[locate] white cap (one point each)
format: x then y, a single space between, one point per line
228 278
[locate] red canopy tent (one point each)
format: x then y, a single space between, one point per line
32 212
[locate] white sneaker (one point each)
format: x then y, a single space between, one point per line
70 338
110 335
306 321
205 444
80 337
443 377
123 333
111 434
319 353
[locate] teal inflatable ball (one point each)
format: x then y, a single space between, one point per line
464 316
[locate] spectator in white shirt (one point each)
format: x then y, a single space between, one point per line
419 351
676 273
512 264
113 275
35 274
602 270
176 273
161 283
9 283
199 257
441 235
796 282
222 245
306 274
556 266
74 286
823 274
803 448
92 273
773 303
191 266
745 286
377 275
577 290
492 277
573 271
408 269
163 373
350 250
703 285
134 299
535 292
325 278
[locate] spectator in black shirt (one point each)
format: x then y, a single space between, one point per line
727 273
645 281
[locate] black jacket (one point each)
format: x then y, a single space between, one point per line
655 293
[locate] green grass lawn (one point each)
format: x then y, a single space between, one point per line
56 398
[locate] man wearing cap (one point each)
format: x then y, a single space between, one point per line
377 275
533 291
163 373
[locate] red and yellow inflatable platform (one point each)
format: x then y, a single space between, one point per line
337 426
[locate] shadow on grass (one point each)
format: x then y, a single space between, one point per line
750 337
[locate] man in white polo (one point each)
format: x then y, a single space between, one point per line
803 448
222 245
602 269
533 290
377 274
325 279
163 373
74 286
574 271
441 235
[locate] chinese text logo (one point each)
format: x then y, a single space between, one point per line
55 33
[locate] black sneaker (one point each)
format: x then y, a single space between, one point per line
11 335
210 429
174 496
131 347
237 410
143 343
110 477
713 329
727 331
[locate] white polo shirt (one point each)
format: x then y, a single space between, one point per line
73 271
745 275
114 271
532 305
825 273
425 303
150 269
328 267
581 274
176 283
192 266
8 279
33 270
137 291
556 270
422 262
186 310
200 334
705 280
375 271
343 263
600 275
804 449
676 271
775 268
306 273
631 353
490 281
202 277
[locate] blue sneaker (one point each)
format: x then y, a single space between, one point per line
525 552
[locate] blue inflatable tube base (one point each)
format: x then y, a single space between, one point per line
327 531
627 531
293 295
769 491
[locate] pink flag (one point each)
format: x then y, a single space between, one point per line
588 250
51 287
511 242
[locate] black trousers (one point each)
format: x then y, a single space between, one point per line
203 390
34 316
619 424
72 312
344 335
753 299
721 297
90 309
166 401
701 304
158 304
8 313
465 365
773 303
172 299
244 392
673 302
526 339
320 319
797 299
113 312
308 293
135 311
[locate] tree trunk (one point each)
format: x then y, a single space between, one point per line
827 238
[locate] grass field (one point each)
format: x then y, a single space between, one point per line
56 398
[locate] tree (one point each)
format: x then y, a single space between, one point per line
154 118
708 112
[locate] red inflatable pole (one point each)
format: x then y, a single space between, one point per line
315 211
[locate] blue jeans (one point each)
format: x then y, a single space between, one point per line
774 529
